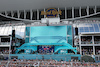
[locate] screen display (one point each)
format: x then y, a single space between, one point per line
47 34
45 49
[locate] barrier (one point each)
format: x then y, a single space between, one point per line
58 57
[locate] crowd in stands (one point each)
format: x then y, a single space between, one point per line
97 40
97 51
86 41
46 63
4 51
87 51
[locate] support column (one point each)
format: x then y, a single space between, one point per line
31 14
24 14
37 14
44 15
18 13
95 9
93 50
10 46
80 50
0 40
72 12
93 45
58 14
80 11
65 13
80 44
87 10
93 40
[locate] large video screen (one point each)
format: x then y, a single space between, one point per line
45 49
47 34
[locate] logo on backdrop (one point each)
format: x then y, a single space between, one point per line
51 12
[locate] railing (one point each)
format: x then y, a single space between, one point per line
97 57
86 42
87 53
4 52
57 57
97 53
5 43
96 42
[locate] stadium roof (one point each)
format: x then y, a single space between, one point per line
89 29
6 5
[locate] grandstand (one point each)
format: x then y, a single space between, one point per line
88 39
49 33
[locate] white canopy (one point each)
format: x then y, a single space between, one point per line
6 5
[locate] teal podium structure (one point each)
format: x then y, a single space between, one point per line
51 41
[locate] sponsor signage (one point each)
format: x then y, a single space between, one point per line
51 12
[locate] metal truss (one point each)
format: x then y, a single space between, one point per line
22 14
